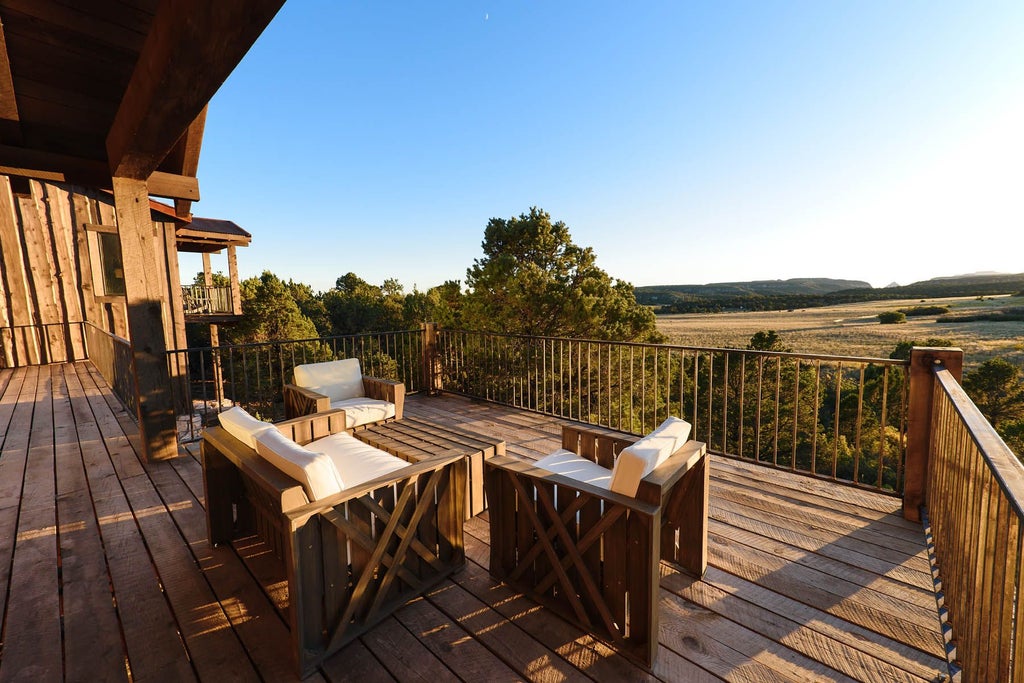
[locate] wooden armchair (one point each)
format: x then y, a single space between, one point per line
349 559
340 384
590 554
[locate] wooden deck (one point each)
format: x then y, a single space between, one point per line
107 575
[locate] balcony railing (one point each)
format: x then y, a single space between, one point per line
112 356
976 509
42 344
203 300
840 418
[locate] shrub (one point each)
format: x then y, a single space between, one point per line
892 318
924 310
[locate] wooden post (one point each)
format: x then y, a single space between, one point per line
145 281
919 420
236 288
218 372
431 372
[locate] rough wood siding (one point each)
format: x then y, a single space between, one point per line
46 283
40 283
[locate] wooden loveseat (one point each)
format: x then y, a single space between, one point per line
352 557
578 547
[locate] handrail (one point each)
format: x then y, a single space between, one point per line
842 418
975 507
112 356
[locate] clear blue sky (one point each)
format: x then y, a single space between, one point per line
685 142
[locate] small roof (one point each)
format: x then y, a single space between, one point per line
204 235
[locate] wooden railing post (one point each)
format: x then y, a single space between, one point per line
431 371
919 420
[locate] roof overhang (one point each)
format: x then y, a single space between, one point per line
117 88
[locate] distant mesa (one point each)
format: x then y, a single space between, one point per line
892 284
765 295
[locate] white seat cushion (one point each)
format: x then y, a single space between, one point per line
639 459
355 461
568 464
242 425
361 411
310 467
336 379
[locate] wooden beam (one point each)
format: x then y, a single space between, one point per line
145 285
10 121
60 168
184 158
191 49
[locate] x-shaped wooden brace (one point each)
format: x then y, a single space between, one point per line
379 554
574 552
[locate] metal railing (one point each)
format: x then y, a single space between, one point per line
840 418
253 375
203 300
41 344
975 507
112 356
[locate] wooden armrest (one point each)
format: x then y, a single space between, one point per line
529 470
276 484
386 390
300 401
298 516
656 485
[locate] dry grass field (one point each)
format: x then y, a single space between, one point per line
854 330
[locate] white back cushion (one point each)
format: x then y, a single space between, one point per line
336 379
638 460
314 470
242 425
355 461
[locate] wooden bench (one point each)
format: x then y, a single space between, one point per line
593 555
352 558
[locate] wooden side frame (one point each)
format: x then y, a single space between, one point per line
351 559
593 555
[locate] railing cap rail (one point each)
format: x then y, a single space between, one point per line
1007 469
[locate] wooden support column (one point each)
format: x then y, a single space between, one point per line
236 287
431 370
218 371
144 281
923 361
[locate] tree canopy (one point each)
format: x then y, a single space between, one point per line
533 279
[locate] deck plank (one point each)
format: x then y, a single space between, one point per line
807 579
32 638
93 642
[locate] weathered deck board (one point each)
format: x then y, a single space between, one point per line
808 579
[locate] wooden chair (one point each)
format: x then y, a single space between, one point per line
593 555
352 558
315 384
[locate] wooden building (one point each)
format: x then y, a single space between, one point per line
101 107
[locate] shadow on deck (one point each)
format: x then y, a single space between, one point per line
107 574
